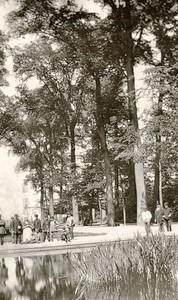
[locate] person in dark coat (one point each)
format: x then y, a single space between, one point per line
159 212
2 230
167 217
37 229
17 229
11 230
46 229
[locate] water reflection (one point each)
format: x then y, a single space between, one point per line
5 292
134 292
46 277
53 277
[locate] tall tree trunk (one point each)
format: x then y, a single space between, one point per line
116 188
51 200
51 175
156 179
160 185
132 213
123 200
139 172
116 182
73 169
61 173
107 163
157 165
42 193
158 173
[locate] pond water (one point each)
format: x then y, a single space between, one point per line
41 277
53 278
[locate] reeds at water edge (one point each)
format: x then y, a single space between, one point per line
145 266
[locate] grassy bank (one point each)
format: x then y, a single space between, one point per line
147 265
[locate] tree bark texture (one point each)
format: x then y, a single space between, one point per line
132 212
116 183
139 172
157 188
157 165
41 195
105 151
123 200
51 184
51 204
73 169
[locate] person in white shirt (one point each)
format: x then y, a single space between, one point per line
146 217
53 229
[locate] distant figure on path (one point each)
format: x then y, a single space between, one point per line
37 229
11 230
2 230
159 212
70 223
167 217
17 229
53 229
46 229
146 217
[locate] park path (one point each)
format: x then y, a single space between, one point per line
94 235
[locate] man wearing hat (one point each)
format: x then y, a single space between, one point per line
167 217
70 223
37 228
17 229
46 229
11 229
53 229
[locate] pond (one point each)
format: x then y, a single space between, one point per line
40 277
53 277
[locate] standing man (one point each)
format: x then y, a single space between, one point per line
159 212
17 229
2 230
37 229
46 229
146 217
53 229
70 223
167 217
11 229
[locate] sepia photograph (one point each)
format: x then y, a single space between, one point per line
88 150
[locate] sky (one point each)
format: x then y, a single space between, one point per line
11 183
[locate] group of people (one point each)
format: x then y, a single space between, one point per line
163 216
37 231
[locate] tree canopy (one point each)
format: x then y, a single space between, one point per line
77 130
